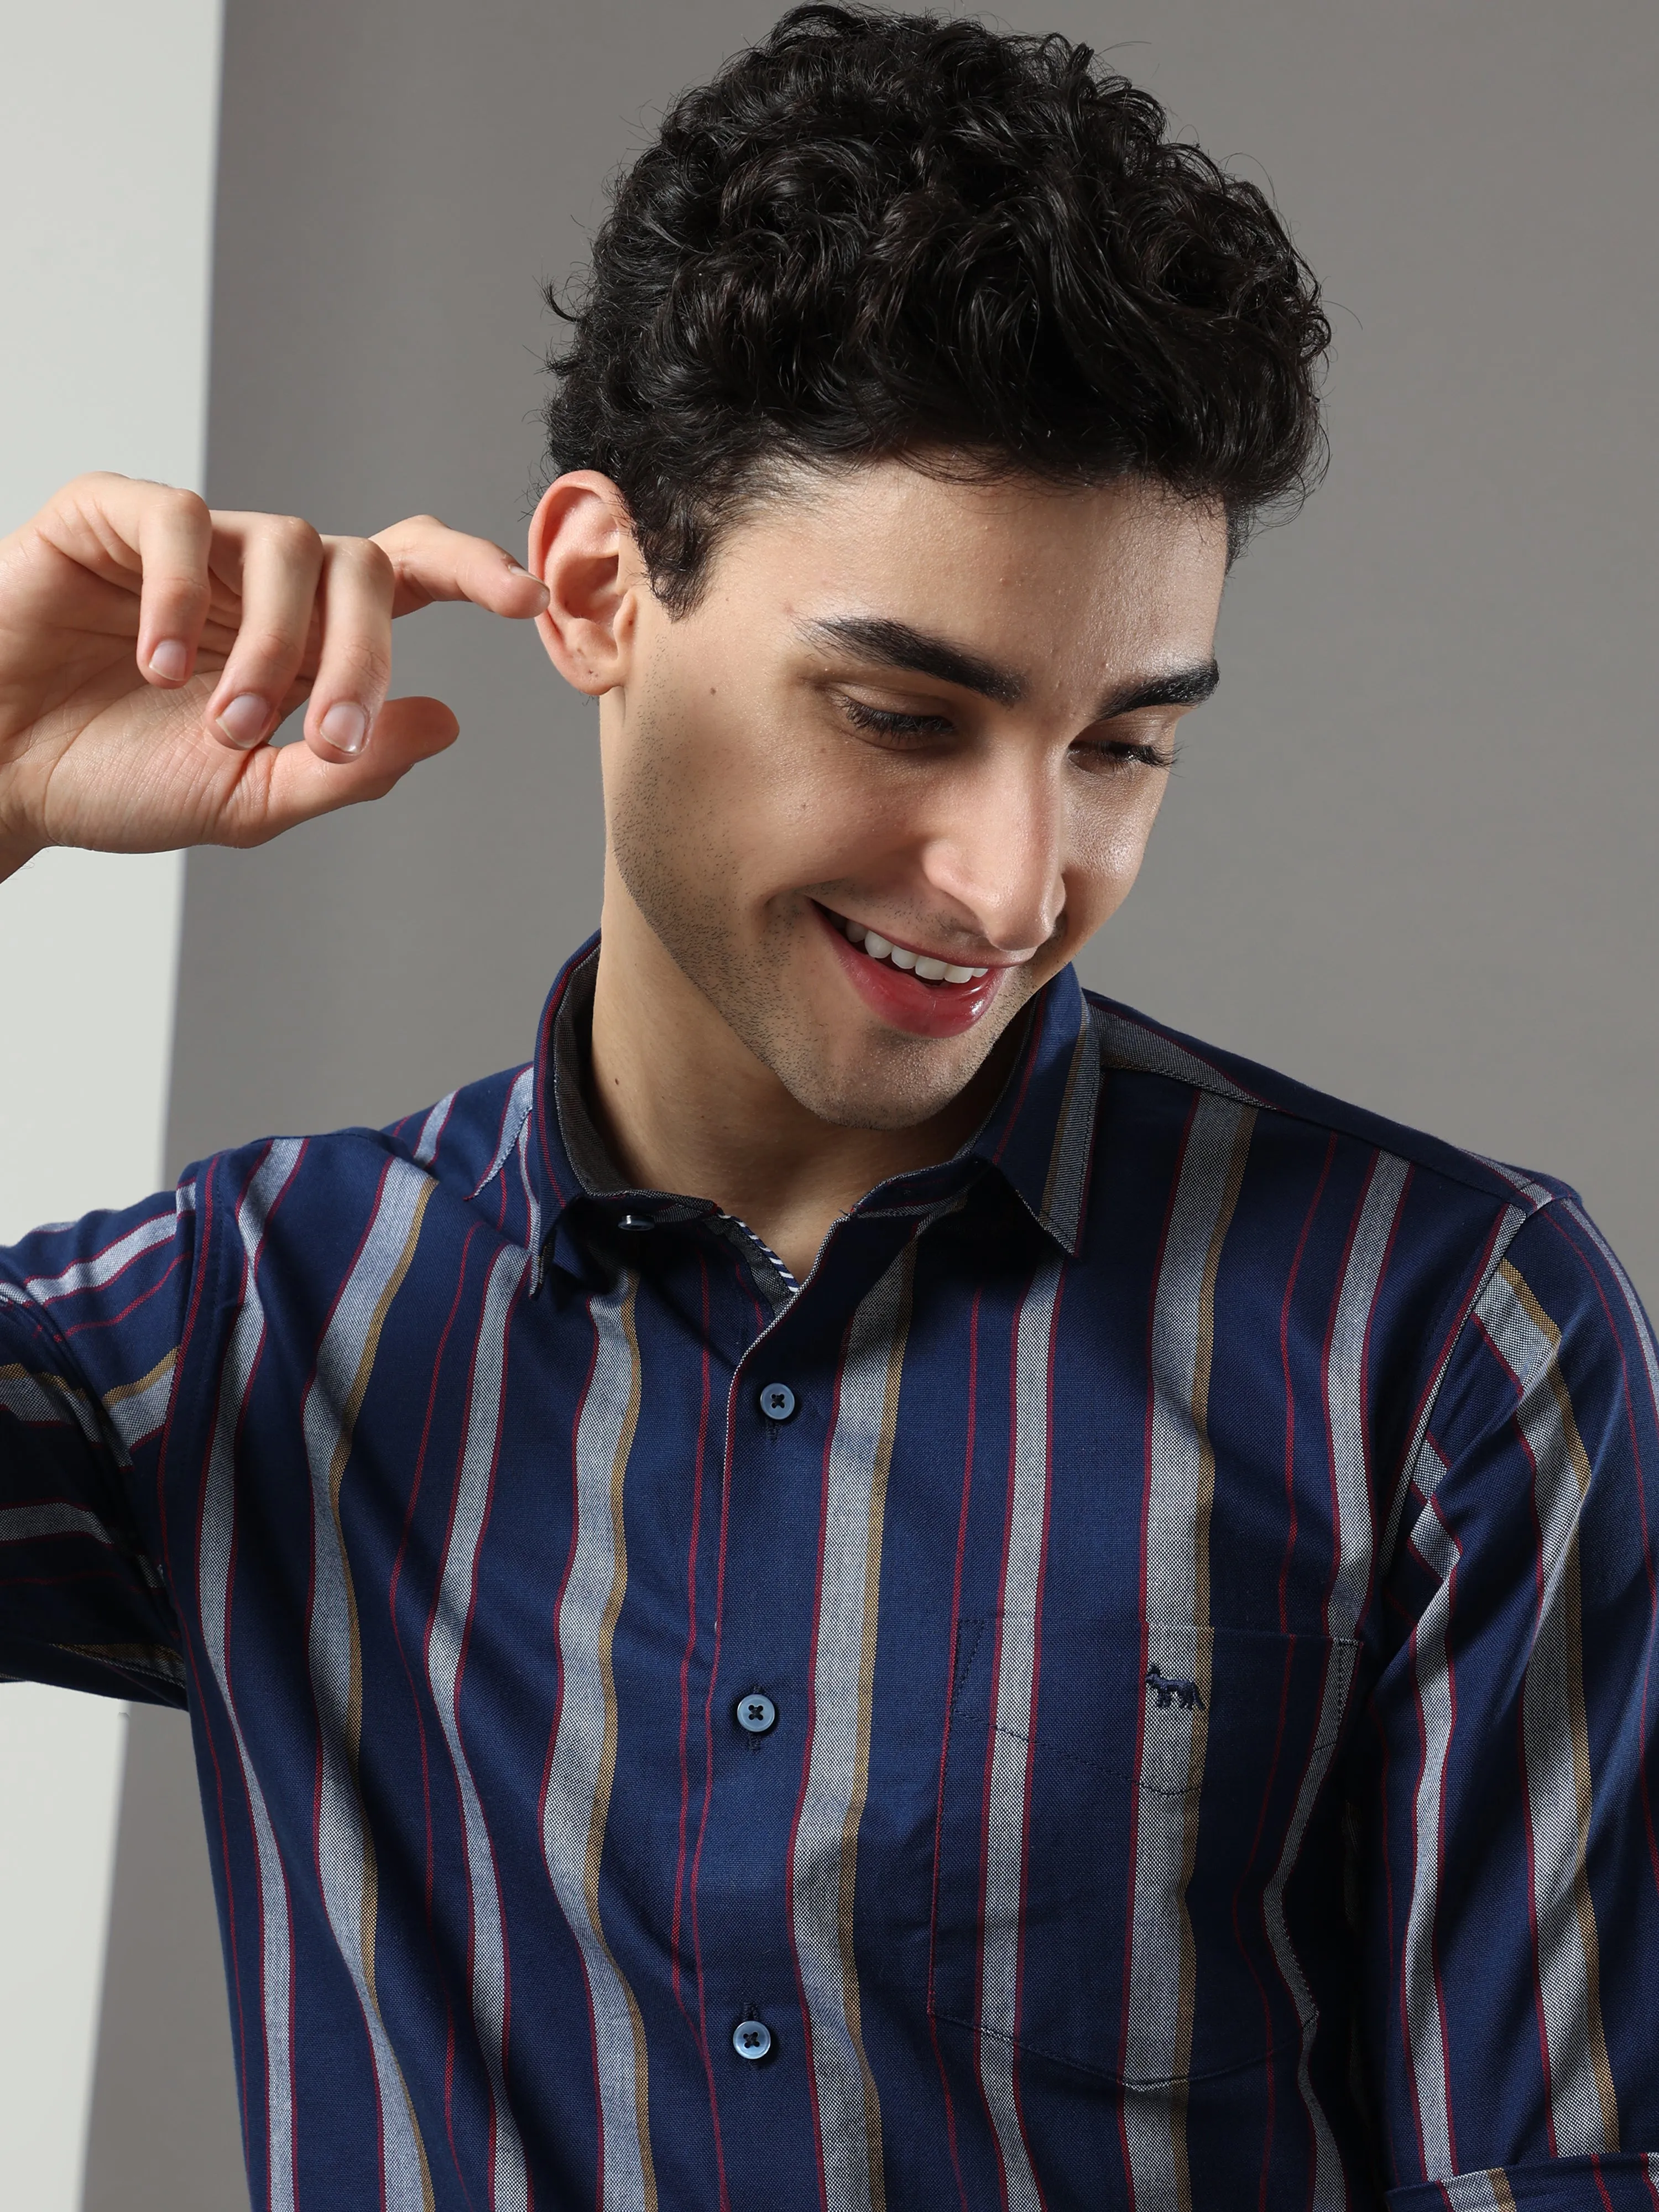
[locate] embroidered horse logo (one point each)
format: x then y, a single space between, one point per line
1170 1689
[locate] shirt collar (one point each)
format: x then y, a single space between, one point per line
1038 1137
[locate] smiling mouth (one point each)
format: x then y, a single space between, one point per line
923 966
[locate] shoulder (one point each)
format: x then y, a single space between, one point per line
456 1148
1132 1044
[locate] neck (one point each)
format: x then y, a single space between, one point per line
684 1105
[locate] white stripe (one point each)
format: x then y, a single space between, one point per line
849 2132
1011 1723
1549 1724
89 1274
215 1546
342 1845
23 1524
1171 1762
141 1414
580 1749
46 1401
457 1592
514 1115
1439 1550
426 1149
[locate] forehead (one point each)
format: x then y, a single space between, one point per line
1057 582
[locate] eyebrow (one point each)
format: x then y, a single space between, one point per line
896 645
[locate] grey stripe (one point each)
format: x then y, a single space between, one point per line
1177 1645
1127 1044
22 1524
344 1852
139 1413
823 1867
1425 2035
88 1274
1514 1219
457 1592
1345 1400
1552 1717
513 1118
214 1549
1010 1720
48 1400
426 1149
584 1747
1355 1549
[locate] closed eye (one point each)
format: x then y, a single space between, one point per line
882 722
1098 753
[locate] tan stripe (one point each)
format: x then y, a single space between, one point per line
1584 1909
125 1390
608 1753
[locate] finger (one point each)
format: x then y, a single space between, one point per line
275 561
285 786
433 561
355 664
172 532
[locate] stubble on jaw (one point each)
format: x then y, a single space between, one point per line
672 857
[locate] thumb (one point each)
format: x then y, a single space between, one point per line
284 786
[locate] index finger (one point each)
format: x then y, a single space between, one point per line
431 562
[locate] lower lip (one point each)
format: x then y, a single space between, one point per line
900 999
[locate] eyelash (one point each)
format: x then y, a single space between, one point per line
882 722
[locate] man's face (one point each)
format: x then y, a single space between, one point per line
910 723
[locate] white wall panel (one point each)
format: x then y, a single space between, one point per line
108 124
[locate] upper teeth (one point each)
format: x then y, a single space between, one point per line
930 970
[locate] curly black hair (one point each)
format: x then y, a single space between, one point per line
877 234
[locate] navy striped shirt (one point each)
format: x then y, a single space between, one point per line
1132 1685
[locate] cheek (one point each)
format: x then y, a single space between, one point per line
1109 845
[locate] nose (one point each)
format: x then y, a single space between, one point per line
995 852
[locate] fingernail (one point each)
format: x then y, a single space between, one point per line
243 722
170 659
345 727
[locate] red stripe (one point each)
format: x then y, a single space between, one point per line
110 1321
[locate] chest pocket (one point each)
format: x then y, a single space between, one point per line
1119 1826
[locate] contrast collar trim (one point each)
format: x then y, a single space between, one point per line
1038 1137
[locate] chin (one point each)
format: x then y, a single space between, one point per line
877 1096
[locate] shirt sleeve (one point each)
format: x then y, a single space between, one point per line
91 1318
1511 1891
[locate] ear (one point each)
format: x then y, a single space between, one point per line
581 546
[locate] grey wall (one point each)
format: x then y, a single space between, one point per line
1407 857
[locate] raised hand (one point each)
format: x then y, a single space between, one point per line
150 646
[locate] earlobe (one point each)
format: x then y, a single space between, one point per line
582 545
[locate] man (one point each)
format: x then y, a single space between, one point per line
871 1582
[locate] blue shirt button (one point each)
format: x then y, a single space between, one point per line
777 1401
756 1712
751 2038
